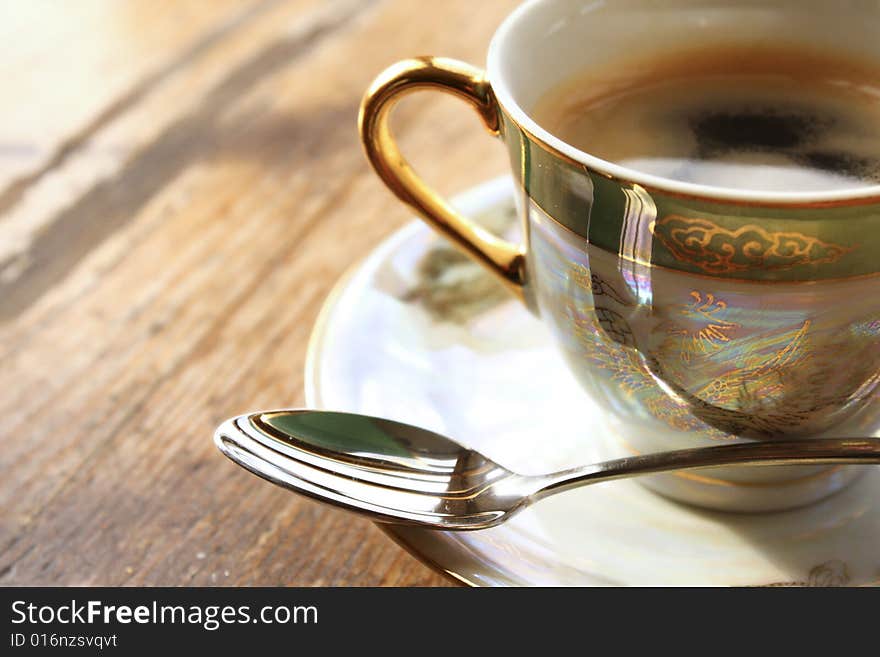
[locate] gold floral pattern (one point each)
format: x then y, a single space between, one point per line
620 363
623 366
591 282
712 331
756 399
764 375
718 250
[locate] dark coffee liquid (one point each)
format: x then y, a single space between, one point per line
774 120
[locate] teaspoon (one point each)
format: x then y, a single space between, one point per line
399 473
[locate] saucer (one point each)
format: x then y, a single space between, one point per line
419 334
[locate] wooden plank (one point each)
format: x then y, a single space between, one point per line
68 70
151 294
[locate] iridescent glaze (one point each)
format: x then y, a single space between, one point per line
756 328
696 313
498 380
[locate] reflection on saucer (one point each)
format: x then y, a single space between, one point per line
485 372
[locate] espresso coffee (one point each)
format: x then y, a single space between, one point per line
775 119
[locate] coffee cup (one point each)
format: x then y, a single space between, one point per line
696 313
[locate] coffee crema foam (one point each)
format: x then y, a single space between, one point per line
788 120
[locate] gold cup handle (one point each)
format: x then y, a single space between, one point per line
502 258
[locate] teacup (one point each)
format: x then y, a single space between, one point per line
697 314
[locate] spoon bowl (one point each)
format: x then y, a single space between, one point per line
395 472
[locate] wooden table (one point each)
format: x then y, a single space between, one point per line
181 183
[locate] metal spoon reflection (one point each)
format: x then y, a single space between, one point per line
395 472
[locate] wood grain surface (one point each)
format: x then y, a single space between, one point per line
181 184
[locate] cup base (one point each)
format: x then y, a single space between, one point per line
705 490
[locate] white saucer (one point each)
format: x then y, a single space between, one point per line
450 352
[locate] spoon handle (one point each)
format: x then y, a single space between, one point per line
819 451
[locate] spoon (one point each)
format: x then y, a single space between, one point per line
395 472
